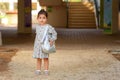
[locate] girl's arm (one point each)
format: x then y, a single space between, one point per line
52 33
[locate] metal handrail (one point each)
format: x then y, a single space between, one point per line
96 12
67 12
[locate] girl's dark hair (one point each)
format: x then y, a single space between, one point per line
42 11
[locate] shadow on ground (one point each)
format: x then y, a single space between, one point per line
5 57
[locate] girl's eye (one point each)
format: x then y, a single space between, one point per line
44 18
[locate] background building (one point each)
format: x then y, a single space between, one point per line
9 12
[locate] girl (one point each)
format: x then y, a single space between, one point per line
40 29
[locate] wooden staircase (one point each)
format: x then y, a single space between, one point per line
81 15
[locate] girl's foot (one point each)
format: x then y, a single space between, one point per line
38 72
46 72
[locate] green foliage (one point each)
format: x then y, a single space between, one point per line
4 6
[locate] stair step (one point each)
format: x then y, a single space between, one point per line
83 27
75 3
82 24
81 12
81 21
83 15
81 18
79 3
87 24
79 7
89 9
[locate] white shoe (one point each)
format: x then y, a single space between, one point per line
46 72
38 72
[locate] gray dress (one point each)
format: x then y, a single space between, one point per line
37 52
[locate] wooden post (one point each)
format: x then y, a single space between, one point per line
0 39
24 16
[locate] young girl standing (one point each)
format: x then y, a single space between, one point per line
40 29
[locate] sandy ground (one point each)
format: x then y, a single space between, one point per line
81 55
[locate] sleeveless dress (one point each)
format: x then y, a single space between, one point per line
37 51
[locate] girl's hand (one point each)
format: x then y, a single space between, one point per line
51 42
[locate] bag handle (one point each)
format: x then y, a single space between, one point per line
45 33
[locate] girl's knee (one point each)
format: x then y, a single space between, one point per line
45 59
38 59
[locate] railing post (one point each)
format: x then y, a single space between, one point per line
67 7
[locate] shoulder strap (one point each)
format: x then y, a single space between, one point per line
44 35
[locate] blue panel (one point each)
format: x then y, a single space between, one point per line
108 16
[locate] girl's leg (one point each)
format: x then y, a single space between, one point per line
39 62
46 66
46 63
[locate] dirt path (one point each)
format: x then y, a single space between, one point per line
81 55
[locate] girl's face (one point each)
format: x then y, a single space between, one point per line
42 19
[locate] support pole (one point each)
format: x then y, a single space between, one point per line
24 16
